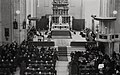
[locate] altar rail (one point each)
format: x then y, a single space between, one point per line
42 43
77 43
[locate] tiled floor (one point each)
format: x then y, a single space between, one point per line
61 68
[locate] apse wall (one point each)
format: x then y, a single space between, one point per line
76 8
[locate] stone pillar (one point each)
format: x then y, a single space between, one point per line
28 10
104 8
82 9
16 32
93 25
33 10
22 18
111 49
0 25
116 47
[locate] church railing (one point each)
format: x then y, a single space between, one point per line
108 37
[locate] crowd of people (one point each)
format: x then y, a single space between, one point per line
29 58
94 62
38 61
88 34
8 58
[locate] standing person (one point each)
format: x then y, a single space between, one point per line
22 68
24 24
74 67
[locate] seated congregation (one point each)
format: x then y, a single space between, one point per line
94 61
30 59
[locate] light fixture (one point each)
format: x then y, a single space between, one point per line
17 11
114 12
105 27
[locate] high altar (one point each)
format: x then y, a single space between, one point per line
60 19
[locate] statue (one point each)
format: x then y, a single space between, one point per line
49 21
60 20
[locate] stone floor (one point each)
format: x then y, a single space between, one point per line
62 68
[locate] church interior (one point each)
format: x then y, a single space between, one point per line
59 37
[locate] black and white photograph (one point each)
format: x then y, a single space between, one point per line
59 37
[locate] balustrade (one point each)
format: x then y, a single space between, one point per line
108 37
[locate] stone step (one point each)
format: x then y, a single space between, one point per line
61 51
70 49
62 54
73 49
